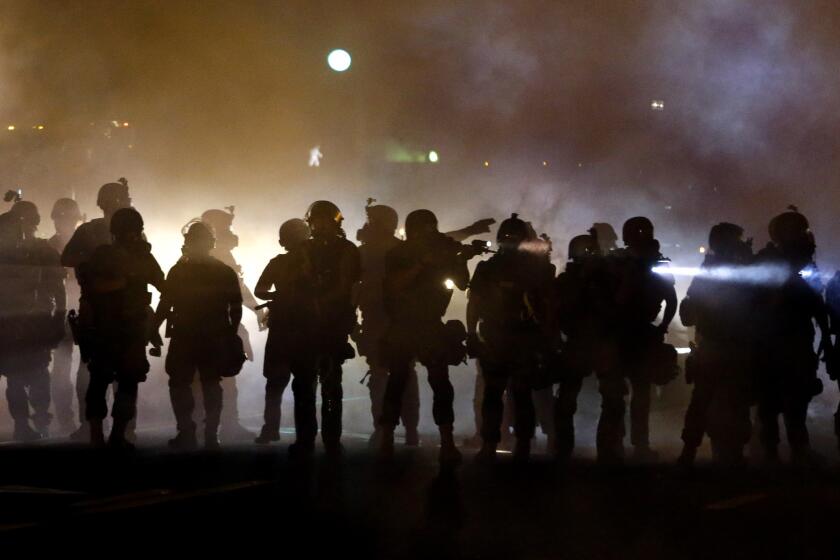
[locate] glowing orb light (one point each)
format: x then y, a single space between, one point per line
339 60
433 156
449 284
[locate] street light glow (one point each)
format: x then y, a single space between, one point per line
433 156
339 60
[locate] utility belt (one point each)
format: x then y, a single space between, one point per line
430 342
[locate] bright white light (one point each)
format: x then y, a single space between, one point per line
10 127
339 60
433 156
489 244
450 285
315 156
768 274
657 105
676 270
401 233
684 350
702 250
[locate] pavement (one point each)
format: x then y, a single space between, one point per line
256 500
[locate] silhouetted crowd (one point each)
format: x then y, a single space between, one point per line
535 335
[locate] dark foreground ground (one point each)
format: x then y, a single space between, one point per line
59 496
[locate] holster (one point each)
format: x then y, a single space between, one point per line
83 336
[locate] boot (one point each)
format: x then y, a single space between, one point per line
412 437
24 433
522 451
375 438
96 434
119 443
211 440
611 455
117 439
301 450
449 454
184 441
267 435
386 442
687 457
487 454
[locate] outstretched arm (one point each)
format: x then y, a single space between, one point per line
479 227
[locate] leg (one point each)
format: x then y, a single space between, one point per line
19 406
211 389
492 406
180 367
124 410
640 413
410 413
565 408
695 424
277 374
230 424
544 409
837 424
730 427
377 382
769 429
62 386
39 398
443 400
100 378
332 395
478 398
443 394
795 417
400 371
526 420
610 436
303 387
82 381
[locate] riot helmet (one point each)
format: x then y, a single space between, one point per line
26 215
198 238
324 218
420 224
726 241
221 222
583 247
293 232
66 209
113 196
790 232
514 231
637 231
126 223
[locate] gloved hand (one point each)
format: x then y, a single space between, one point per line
262 319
